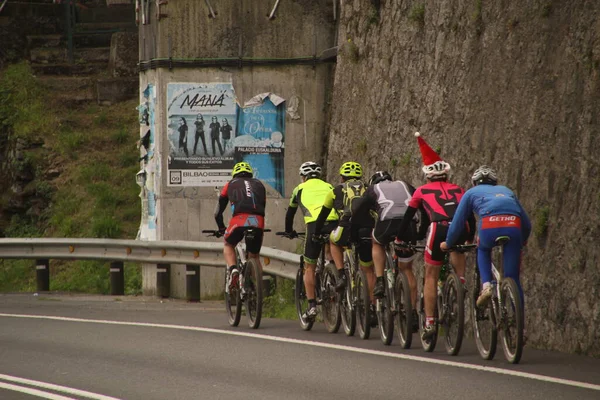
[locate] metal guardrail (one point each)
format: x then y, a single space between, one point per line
275 262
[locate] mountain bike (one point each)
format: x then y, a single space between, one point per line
325 294
450 307
355 302
401 304
247 288
503 313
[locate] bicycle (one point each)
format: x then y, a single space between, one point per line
503 313
325 294
400 297
249 286
355 304
450 307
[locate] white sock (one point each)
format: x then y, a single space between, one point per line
486 285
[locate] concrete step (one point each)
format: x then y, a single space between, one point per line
68 83
69 69
53 40
117 13
92 27
114 90
27 10
47 55
92 39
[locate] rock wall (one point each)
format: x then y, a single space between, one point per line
511 84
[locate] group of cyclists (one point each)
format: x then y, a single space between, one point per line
385 209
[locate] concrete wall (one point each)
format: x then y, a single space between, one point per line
187 32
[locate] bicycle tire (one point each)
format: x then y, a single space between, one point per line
253 284
233 303
347 310
484 323
301 300
404 322
363 306
454 306
385 317
330 304
512 341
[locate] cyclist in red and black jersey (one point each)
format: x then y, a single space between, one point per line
248 199
440 199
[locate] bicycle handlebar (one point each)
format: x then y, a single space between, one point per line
462 248
289 236
217 233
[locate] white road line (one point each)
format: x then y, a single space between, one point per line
33 392
49 386
456 364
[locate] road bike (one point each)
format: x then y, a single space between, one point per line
503 313
325 294
400 301
450 307
355 302
247 288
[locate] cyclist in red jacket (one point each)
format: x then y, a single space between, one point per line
440 199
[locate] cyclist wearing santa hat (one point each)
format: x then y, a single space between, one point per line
440 199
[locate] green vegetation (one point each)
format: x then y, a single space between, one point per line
547 9
350 50
542 221
373 18
417 13
405 161
94 195
361 146
281 303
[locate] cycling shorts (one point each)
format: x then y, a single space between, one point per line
236 231
387 231
343 235
312 249
436 234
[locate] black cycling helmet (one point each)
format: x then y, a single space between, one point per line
380 176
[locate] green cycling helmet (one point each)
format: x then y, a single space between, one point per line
241 167
351 169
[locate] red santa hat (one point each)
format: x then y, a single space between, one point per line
427 153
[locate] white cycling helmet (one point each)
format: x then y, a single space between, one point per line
484 174
438 168
310 169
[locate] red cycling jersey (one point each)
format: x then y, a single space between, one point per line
440 200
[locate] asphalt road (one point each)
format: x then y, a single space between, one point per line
56 346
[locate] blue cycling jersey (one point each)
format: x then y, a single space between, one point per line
487 200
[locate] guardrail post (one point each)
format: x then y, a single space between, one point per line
42 268
268 285
192 282
117 279
163 280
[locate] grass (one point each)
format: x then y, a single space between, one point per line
417 14
281 304
95 194
542 221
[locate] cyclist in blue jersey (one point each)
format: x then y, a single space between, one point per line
500 214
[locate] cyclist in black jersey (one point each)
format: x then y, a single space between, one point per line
390 198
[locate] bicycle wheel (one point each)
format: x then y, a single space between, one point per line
404 318
484 323
253 285
233 303
454 310
384 315
347 310
512 314
329 299
301 301
363 305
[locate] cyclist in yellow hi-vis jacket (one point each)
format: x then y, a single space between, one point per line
309 196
